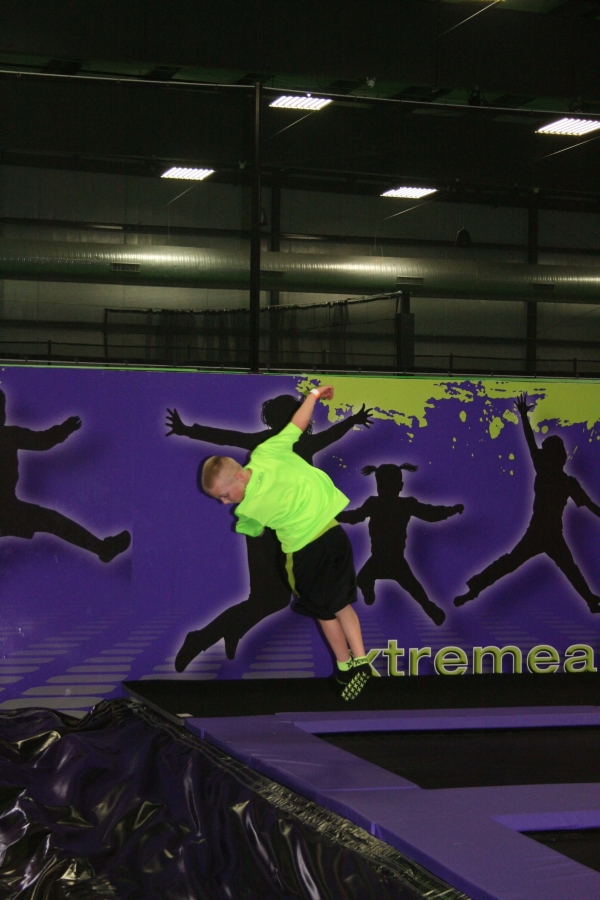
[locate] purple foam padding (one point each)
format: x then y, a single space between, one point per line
552 821
468 836
444 719
291 756
457 836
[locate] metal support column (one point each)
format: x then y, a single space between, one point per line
255 217
405 334
275 246
532 257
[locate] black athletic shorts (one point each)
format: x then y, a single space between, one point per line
322 575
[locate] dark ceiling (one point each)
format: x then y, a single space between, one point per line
459 90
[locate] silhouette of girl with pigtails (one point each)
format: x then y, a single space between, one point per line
389 515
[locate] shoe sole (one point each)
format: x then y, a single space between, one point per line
355 686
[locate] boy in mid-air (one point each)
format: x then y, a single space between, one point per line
279 490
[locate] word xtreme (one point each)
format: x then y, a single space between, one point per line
540 660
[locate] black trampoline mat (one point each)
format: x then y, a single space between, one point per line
480 757
582 845
256 697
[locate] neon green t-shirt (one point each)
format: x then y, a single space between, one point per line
287 494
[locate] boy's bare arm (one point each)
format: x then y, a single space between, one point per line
301 418
523 409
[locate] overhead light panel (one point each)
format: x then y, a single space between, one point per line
412 193
570 126
307 102
189 174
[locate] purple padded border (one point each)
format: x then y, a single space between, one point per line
467 836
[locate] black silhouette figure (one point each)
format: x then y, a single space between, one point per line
269 586
552 489
20 519
389 516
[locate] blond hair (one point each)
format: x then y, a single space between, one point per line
218 468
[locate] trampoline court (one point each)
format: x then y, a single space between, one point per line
491 783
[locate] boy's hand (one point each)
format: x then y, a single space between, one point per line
362 417
458 509
522 406
73 423
174 423
326 392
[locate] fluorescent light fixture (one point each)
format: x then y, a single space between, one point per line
412 193
189 174
307 102
570 126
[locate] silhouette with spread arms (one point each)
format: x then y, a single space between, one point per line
269 588
389 516
552 489
21 519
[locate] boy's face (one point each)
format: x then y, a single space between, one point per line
230 491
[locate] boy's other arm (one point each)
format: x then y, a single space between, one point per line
523 408
248 526
26 439
303 415
221 436
429 513
330 435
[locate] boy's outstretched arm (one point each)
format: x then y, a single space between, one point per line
221 436
303 415
523 409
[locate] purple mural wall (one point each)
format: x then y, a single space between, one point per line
72 626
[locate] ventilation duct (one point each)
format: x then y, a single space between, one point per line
299 272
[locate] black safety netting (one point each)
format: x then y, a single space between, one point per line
122 804
338 334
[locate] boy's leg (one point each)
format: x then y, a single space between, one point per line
350 625
344 636
335 637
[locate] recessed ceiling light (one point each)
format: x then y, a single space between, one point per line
190 174
412 193
307 102
570 126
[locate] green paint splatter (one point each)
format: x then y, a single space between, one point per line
496 426
462 416
407 402
511 455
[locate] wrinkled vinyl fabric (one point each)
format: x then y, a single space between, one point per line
122 804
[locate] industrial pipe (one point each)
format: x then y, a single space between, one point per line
299 272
